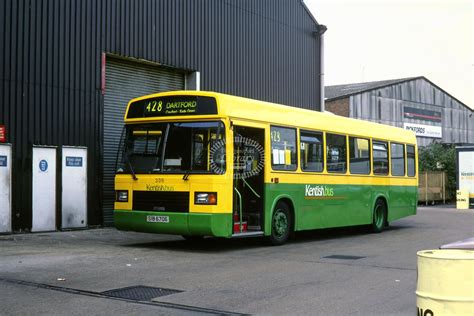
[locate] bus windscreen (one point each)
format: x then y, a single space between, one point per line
179 147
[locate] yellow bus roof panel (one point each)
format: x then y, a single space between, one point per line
254 110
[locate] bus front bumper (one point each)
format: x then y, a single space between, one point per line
192 224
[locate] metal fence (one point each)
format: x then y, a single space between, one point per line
432 186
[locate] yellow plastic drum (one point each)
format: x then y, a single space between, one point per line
445 282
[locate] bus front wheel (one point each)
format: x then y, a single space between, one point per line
379 218
281 224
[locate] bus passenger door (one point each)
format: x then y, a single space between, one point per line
248 182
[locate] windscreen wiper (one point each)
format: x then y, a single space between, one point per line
132 172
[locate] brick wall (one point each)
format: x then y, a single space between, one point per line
338 107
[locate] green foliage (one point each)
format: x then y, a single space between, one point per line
440 157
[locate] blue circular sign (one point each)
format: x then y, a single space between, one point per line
43 165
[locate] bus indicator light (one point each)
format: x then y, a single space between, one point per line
212 199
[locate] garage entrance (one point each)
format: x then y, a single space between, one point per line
126 80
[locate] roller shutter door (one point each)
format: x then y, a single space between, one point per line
126 80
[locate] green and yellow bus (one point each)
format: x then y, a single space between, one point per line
197 163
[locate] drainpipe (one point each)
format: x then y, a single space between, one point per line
321 29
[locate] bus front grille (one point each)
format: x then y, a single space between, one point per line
161 201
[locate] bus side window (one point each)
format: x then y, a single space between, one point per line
312 158
397 154
380 157
283 148
359 162
411 166
336 156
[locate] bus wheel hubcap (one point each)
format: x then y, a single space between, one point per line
280 223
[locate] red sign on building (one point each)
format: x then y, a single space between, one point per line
3 134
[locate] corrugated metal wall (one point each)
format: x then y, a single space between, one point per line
386 105
50 61
126 80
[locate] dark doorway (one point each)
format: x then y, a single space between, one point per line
248 179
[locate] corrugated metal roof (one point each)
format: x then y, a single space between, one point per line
344 90
341 91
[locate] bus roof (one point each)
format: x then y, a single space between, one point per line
253 110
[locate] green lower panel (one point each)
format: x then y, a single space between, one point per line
315 206
218 225
325 206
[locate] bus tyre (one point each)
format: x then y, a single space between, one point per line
281 224
379 218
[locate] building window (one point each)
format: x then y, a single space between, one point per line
312 158
283 148
336 153
380 153
397 154
359 157
411 166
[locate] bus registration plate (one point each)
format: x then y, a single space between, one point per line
157 219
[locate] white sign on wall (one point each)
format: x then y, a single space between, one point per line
44 189
466 171
424 130
5 188
74 187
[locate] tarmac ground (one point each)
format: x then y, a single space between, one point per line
326 272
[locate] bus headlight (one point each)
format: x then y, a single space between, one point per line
121 196
209 198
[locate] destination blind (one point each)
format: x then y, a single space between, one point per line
173 106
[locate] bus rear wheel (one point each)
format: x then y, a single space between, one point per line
379 219
281 224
